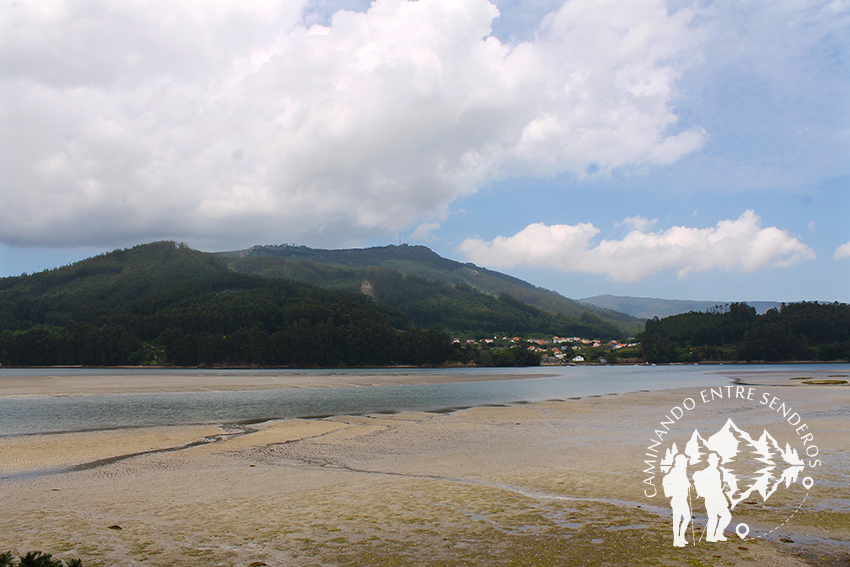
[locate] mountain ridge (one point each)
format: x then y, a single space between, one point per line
349 268
164 302
649 307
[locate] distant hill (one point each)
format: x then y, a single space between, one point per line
647 307
164 303
384 272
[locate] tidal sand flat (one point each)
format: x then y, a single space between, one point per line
147 381
547 483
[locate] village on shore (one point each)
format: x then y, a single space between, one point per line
561 350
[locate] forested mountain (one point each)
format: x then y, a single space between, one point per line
795 331
166 304
410 278
649 307
163 303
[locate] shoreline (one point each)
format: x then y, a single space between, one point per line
413 367
148 380
518 483
165 382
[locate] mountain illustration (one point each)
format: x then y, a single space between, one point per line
696 448
728 441
765 446
667 462
747 465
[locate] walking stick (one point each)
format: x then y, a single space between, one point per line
691 513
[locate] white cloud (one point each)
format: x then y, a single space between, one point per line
424 230
144 119
740 245
842 252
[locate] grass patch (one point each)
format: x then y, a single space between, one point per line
824 382
35 559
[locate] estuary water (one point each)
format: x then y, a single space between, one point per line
55 414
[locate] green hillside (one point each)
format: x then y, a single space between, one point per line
166 304
108 284
400 284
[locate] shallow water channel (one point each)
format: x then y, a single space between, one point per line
53 414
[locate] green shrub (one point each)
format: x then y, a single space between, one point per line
36 559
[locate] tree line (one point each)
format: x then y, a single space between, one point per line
274 324
796 331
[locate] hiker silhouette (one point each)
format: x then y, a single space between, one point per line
676 487
708 483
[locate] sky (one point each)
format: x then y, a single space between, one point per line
679 150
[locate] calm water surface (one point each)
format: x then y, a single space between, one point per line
31 415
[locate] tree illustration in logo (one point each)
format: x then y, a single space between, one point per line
726 468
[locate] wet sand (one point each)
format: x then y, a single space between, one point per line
550 483
156 381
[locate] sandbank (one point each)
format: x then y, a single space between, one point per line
155 381
783 375
549 483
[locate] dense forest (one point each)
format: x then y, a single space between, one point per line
464 309
459 308
795 331
166 304
432 290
